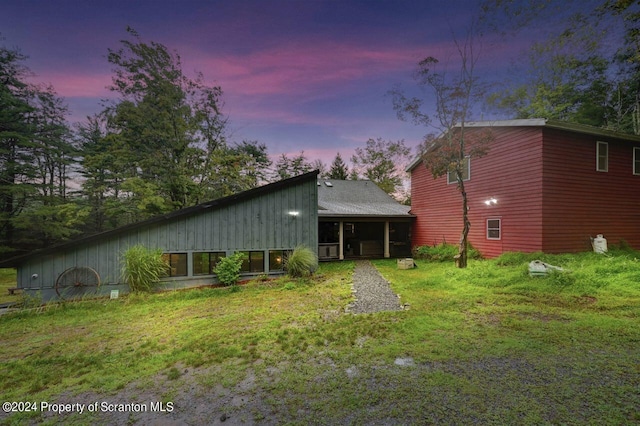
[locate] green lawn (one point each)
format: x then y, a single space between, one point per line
7 280
487 344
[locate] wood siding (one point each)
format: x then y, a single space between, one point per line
580 202
262 223
549 195
511 172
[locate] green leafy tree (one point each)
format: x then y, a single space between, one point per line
587 70
233 169
339 169
566 78
381 162
287 167
169 122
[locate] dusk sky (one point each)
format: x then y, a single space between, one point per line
296 75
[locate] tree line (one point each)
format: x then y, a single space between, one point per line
161 145
586 70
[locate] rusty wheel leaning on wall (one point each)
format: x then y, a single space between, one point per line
76 282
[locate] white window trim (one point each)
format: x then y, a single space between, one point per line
449 181
636 161
499 219
606 166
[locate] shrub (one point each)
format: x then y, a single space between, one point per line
228 269
142 267
443 252
302 262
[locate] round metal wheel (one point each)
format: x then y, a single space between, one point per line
76 282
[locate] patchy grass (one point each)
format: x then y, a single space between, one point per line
8 280
487 344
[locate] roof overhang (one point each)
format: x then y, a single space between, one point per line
539 122
214 204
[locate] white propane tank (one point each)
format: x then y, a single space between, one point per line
600 244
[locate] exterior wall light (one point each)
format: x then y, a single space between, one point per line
294 213
491 202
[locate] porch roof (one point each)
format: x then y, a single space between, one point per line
357 198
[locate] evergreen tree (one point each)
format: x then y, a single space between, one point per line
16 156
36 158
289 167
339 169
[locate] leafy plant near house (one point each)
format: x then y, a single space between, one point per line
228 269
442 252
142 267
302 262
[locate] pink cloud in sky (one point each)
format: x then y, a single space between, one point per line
77 85
302 68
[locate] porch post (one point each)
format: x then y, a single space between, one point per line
341 239
386 239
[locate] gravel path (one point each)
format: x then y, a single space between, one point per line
372 291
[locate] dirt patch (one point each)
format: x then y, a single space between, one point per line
191 399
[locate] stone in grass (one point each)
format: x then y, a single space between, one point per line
404 362
537 268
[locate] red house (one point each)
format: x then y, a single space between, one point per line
542 186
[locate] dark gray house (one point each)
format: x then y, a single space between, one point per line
358 219
264 223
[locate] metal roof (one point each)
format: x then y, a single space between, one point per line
357 198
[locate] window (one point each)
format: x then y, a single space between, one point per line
177 264
253 261
636 161
276 260
602 156
204 263
494 229
466 171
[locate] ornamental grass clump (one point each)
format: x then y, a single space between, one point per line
228 269
302 262
143 267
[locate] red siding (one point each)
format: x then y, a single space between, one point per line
550 196
580 202
511 172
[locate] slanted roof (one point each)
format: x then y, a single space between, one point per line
214 204
543 122
356 198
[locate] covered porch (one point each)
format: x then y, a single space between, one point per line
351 238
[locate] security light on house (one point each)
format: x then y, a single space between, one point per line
491 202
294 213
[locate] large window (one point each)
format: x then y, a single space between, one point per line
466 172
494 229
636 161
253 261
204 263
602 156
177 264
